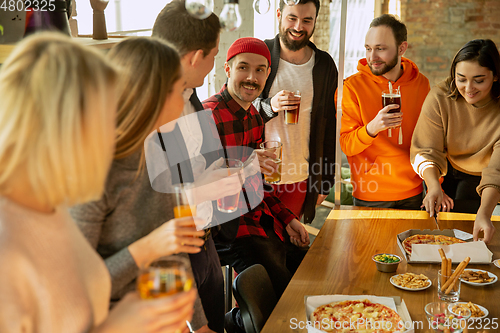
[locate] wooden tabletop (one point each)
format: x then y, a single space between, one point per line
339 262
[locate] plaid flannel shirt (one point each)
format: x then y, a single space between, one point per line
245 128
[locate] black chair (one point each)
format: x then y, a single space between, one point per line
255 295
228 281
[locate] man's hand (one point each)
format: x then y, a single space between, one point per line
284 100
217 182
266 161
298 234
384 120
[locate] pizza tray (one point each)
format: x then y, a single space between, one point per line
435 259
393 302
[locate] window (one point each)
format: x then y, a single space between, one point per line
122 15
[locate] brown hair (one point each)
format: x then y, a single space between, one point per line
391 21
150 68
187 33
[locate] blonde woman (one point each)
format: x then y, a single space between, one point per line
131 224
57 117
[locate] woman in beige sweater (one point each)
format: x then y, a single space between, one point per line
458 135
57 117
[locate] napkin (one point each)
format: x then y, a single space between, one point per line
477 251
312 302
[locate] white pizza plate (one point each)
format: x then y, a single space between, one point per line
497 263
409 289
491 275
482 308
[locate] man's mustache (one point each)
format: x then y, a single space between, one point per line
296 32
255 85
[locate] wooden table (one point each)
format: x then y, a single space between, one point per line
339 262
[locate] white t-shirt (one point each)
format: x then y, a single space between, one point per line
295 138
193 137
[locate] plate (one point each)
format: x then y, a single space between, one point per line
497 263
491 275
409 289
471 318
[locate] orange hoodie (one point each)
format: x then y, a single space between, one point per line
380 167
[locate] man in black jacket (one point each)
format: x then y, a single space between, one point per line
308 146
197 42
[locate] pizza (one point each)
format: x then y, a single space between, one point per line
429 239
356 316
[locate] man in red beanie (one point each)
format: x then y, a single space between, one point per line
261 237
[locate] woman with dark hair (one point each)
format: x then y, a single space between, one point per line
458 136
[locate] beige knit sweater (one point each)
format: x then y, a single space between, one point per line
51 280
453 129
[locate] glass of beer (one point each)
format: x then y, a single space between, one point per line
392 97
229 204
184 200
164 277
292 116
276 148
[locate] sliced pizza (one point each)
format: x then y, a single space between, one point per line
429 239
356 316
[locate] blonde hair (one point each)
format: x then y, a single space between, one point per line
149 70
56 119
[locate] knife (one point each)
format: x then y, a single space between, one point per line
436 220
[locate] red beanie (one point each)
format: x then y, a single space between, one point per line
249 45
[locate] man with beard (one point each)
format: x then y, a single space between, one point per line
261 237
381 172
309 146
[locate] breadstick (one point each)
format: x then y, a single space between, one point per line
461 266
441 253
458 271
449 272
444 270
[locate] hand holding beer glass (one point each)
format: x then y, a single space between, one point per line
229 203
185 205
164 277
275 148
292 116
393 97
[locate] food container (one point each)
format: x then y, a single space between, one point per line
440 317
393 302
471 249
386 267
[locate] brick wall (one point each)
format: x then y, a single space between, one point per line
437 29
321 35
